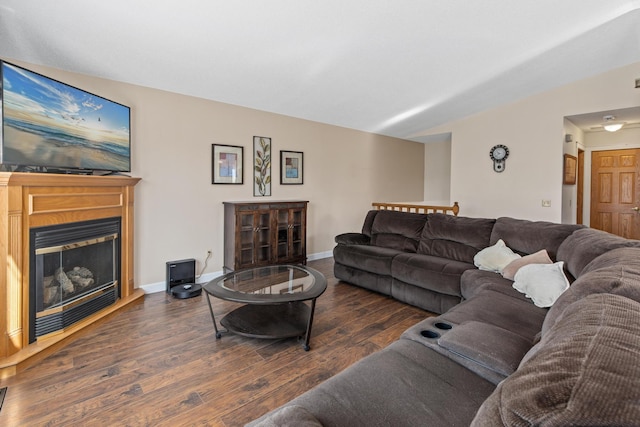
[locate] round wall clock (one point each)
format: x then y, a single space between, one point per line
499 154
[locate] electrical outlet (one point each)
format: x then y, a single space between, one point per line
546 203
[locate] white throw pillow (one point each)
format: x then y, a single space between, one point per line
543 283
494 258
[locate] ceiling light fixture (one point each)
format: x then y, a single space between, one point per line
610 125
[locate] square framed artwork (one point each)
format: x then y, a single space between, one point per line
291 167
226 164
261 166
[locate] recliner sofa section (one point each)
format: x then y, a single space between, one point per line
420 258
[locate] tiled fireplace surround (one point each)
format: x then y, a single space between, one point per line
29 200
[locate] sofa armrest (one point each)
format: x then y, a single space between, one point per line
487 345
353 239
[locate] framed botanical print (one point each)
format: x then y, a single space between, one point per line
226 164
261 166
291 167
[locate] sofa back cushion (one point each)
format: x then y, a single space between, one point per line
526 237
586 371
397 230
586 244
455 237
615 272
368 222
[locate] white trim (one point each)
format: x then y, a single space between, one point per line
152 288
320 255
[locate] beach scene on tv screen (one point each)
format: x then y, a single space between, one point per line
48 123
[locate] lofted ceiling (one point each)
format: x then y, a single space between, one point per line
396 68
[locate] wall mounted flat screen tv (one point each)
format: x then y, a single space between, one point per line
50 126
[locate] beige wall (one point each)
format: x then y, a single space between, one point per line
437 172
533 129
179 212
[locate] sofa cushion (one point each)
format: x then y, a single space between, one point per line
526 237
540 257
454 237
429 272
495 257
368 222
427 299
585 245
586 371
352 239
476 281
543 283
374 259
490 346
397 230
488 350
403 384
615 272
495 308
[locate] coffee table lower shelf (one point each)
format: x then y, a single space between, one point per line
271 321
268 321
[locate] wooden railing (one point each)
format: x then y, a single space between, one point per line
403 207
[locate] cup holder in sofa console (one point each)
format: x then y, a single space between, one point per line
429 334
443 326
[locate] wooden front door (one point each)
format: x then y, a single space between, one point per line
615 192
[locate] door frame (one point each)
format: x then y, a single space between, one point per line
580 188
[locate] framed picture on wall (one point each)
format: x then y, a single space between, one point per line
291 167
261 166
226 164
570 169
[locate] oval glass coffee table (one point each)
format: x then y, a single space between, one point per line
273 298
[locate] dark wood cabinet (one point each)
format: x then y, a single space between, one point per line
264 233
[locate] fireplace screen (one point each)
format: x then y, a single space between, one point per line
75 274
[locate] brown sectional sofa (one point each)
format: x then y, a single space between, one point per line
420 258
492 357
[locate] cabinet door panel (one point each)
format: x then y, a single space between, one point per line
263 254
283 234
245 252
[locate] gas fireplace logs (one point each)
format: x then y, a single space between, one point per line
70 282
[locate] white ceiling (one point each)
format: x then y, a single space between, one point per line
593 122
396 67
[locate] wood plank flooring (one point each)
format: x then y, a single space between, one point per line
157 363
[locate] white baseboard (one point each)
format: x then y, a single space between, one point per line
161 286
320 255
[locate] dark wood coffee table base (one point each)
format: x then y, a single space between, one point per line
272 321
274 301
268 321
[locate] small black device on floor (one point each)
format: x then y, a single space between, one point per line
181 279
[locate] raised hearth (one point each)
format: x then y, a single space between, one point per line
31 201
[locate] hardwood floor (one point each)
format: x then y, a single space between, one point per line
157 363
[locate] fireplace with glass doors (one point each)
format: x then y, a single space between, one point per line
74 272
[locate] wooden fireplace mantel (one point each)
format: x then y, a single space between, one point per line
30 200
